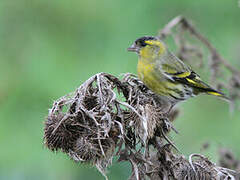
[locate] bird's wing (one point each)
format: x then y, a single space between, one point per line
185 76
174 69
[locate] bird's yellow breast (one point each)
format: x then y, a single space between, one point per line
145 69
146 73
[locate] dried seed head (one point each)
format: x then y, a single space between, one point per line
63 138
89 150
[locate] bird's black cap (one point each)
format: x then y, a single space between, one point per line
141 41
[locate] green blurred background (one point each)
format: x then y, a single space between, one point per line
48 48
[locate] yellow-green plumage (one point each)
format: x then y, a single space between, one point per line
147 74
165 74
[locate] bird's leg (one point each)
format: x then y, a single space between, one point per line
170 108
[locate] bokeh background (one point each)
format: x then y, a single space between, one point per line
48 48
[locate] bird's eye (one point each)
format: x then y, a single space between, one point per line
142 43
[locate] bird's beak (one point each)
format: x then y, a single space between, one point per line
133 48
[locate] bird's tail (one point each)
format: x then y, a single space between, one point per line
205 88
213 92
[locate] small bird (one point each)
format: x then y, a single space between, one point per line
165 74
